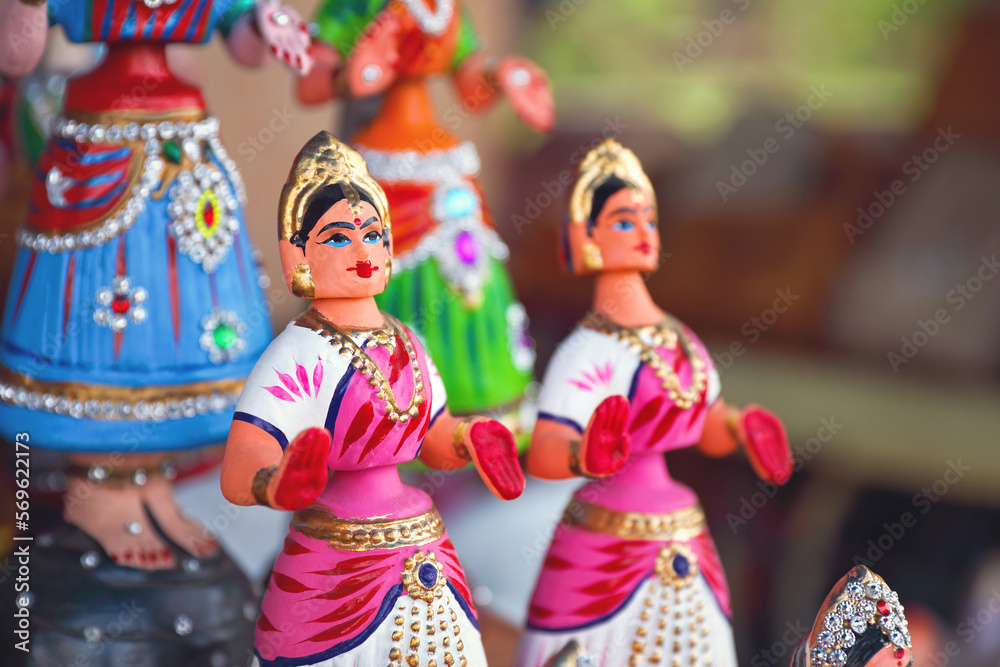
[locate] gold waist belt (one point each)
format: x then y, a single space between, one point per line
318 522
680 525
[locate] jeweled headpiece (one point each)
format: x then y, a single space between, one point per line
865 601
608 159
323 161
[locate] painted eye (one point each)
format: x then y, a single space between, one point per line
338 240
651 225
372 237
623 226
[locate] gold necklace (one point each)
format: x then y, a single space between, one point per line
384 337
666 334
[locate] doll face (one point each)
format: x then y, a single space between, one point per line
345 253
887 658
626 232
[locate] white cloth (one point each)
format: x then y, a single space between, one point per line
613 642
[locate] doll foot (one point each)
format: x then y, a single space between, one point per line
185 533
860 623
493 450
117 520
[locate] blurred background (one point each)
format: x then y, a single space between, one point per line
828 176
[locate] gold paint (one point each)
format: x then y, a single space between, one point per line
76 391
633 660
319 523
414 642
302 282
592 258
443 625
656 657
323 161
659 640
394 653
399 619
314 321
458 438
459 645
448 660
446 641
396 636
456 630
681 525
606 160
258 488
413 660
431 647
416 589
462 661
638 646
430 628
644 615
454 616
415 626
641 631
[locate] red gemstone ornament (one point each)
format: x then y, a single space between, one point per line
209 215
883 607
120 304
900 653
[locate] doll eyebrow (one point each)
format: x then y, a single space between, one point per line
368 222
633 211
338 225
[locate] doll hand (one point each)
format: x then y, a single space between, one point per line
283 31
371 67
763 437
606 442
303 472
490 446
527 88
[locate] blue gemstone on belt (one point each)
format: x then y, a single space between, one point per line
459 202
681 566
428 575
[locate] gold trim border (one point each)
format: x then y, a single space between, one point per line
681 525
167 396
319 522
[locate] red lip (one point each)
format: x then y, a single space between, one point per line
645 248
364 269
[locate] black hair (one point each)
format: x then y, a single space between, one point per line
322 202
602 194
867 645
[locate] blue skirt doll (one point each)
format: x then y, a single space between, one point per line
134 313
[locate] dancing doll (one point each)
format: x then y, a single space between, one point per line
367 575
632 575
135 311
451 284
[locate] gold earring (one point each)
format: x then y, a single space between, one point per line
592 260
302 282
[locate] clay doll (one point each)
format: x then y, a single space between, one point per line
632 574
133 315
367 575
127 327
861 623
451 284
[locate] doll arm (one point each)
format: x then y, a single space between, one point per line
523 82
452 442
24 26
559 450
479 80
256 472
758 431
320 84
269 26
